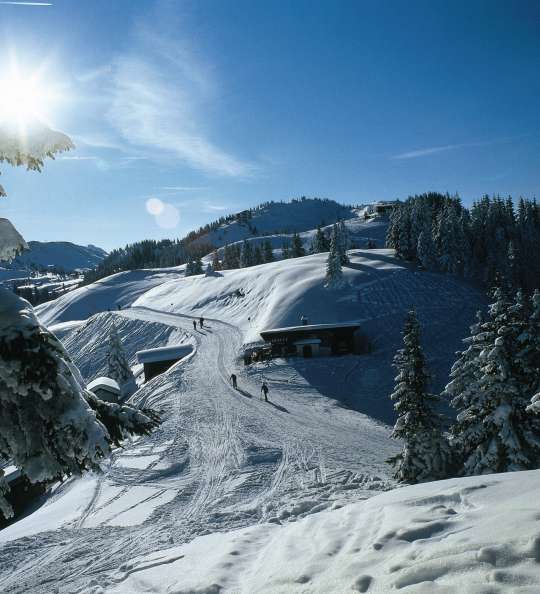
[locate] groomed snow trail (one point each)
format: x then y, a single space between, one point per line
222 459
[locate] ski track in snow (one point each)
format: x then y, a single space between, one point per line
222 459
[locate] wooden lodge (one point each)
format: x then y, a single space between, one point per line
105 389
313 340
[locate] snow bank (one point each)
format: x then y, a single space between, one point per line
473 535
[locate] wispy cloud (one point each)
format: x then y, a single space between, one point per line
423 152
182 188
78 158
27 3
157 96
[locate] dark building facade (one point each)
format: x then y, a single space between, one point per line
312 340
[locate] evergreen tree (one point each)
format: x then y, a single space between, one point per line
320 243
424 455
246 258
118 365
334 273
493 431
197 266
215 261
343 242
189 269
257 256
426 250
268 253
297 249
209 270
285 249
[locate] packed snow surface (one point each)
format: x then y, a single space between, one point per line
472 535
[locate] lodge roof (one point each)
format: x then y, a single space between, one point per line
104 383
310 328
168 353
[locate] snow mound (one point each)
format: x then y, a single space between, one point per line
473 535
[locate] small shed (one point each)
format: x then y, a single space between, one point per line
312 340
158 360
105 388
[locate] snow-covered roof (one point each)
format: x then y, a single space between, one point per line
168 353
11 473
104 383
311 327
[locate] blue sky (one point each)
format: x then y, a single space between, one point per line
211 107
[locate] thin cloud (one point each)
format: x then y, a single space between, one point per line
157 108
182 188
451 147
431 151
28 3
78 158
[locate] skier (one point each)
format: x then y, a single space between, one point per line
233 381
201 321
264 391
194 325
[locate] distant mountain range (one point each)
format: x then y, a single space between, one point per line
62 255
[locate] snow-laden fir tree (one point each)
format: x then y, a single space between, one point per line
246 257
215 261
493 431
118 365
344 242
297 247
334 273
268 253
189 268
424 455
48 426
320 242
285 249
257 256
209 270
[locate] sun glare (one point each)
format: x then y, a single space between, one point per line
25 99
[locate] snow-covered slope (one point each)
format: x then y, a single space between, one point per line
472 536
280 217
381 289
60 254
117 290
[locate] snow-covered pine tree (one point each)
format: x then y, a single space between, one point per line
209 270
189 268
246 257
425 452
334 273
320 242
197 266
268 253
297 248
47 428
493 431
215 261
118 365
425 249
344 242
257 256
285 249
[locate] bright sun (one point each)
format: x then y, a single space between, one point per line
24 99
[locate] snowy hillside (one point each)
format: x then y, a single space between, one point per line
381 289
59 254
280 218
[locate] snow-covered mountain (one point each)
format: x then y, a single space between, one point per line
61 255
276 218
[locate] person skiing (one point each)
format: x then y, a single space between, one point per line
233 381
201 321
264 391
194 324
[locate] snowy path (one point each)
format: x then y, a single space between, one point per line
222 459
